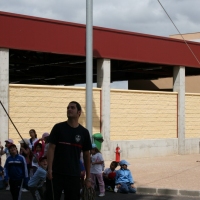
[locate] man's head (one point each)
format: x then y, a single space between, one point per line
73 110
12 149
43 162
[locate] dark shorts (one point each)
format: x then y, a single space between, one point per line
70 185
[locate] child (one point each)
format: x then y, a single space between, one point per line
96 169
1 176
36 183
37 154
6 151
45 137
16 170
33 139
27 153
124 180
109 176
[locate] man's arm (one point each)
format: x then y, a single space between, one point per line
86 158
50 157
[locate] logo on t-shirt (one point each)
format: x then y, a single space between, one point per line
77 138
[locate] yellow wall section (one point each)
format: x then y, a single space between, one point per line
40 107
134 115
143 115
192 115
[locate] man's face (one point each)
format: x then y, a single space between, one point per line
72 111
13 150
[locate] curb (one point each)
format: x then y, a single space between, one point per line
165 191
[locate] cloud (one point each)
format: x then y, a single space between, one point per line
143 16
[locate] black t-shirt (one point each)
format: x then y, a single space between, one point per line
69 142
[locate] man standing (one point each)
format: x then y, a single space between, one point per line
66 141
16 170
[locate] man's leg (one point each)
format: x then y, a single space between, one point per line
72 187
55 186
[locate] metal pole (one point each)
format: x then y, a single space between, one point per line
89 64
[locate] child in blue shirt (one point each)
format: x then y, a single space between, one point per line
36 183
124 180
16 170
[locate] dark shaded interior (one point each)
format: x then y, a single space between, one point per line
29 67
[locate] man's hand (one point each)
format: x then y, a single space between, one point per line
88 183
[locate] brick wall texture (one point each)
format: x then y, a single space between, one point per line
134 115
39 108
192 115
143 115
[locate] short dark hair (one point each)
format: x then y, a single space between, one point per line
114 163
77 105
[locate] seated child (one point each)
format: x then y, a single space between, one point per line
109 176
37 154
124 181
36 183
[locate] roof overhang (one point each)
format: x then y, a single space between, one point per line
46 44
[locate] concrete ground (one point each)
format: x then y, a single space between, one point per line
177 174
169 177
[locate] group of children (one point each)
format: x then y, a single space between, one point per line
26 169
110 179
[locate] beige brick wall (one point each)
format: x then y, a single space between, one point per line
143 115
192 115
134 114
40 107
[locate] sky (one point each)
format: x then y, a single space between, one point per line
141 16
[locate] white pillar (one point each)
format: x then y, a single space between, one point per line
103 82
4 93
179 86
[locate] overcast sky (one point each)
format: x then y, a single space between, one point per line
143 16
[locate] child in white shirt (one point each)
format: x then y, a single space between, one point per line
96 169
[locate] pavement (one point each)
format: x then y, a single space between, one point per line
177 175
168 177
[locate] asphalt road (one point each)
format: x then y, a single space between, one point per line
5 195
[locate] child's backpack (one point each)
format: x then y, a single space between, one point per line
88 193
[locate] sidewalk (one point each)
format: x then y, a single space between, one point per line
172 175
